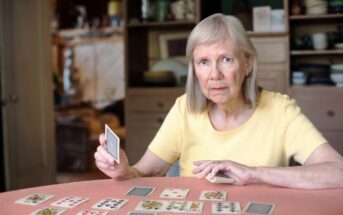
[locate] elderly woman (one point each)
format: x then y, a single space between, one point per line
225 123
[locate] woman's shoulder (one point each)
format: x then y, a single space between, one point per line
181 100
275 99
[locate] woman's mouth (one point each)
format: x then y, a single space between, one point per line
218 89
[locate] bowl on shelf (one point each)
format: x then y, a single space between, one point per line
336 68
336 74
337 78
173 65
339 45
299 77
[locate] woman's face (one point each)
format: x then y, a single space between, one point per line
220 69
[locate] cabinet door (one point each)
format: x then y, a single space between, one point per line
26 78
323 106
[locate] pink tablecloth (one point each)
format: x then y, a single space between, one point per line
288 201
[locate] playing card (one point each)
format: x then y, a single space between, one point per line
92 212
140 191
110 204
221 178
259 208
141 213
174 193
178 206
226 207
70 201
112 143
152 205
48 211
34 199
213 195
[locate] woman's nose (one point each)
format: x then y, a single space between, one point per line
215 72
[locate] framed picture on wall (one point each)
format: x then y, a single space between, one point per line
173 45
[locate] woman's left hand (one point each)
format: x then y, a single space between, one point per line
240 173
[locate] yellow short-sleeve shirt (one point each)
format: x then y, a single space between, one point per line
276 131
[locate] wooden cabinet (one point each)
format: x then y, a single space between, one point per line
322 104
324 107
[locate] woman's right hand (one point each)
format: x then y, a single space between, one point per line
105 162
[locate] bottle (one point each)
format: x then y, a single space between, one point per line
145 10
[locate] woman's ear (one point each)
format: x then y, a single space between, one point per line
249 65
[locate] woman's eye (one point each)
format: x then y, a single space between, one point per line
203 62
226 59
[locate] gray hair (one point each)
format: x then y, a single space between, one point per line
213 29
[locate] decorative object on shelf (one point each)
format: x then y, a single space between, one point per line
178 9
335 6
173 45
261 19
114 13
183 9
277 22
179 69
320 41
145 9
302 43
316 7
162 10
296 8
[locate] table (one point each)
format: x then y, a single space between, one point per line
288 201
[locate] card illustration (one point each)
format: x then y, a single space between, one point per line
226 207
213 195
34 199
70 201
49 210
110 204
92 212
174 193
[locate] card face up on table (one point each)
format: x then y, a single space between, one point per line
34 199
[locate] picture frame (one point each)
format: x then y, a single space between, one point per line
261 19
173 45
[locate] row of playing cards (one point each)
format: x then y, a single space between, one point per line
149 206
178 193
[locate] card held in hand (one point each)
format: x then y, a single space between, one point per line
221 178
112 143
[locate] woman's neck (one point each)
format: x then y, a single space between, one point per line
229 116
